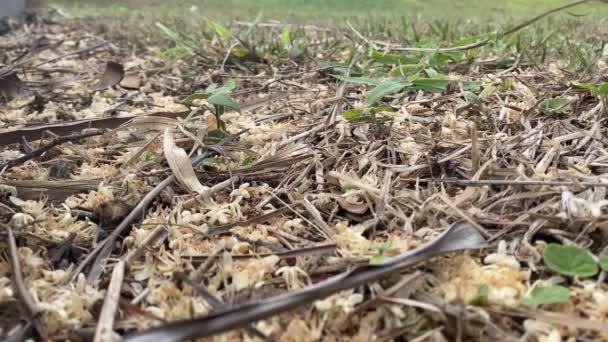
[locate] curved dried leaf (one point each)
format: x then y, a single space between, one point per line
180 164
111 76
150 122
355 208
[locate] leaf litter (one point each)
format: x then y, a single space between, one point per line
276 197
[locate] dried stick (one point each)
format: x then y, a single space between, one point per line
18 282
22 291
105 328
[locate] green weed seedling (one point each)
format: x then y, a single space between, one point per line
220 98
570 260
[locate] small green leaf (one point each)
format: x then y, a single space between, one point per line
212 161
148 156
436 60
352 114
406 69
605 51
383 247
217 133
471 97
604 261
286 38
388 58
376 259
430 84
212 88
487 91
547 295
555 105
248 161
482 294
228 86
603 89
220 30
215 88
507 85
240 51
569 260
472 85
432 73
472 39
588 86
380 109
379 256
347 186
386 88
224 99
358 80
196 96
173 35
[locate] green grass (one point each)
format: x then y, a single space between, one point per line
326 11
576 37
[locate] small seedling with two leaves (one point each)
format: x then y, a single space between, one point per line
219 97
371 115
481 295
380 250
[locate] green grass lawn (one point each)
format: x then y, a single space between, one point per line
326 11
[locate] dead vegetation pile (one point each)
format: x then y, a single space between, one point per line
139 199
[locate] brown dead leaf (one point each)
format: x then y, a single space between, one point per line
180 164
131 81
359 207
111 76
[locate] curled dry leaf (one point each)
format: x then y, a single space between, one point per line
353 205
180 164
111 76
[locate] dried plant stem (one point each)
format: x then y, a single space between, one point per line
105 327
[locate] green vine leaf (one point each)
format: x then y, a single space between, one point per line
569 260
547 295
386 88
